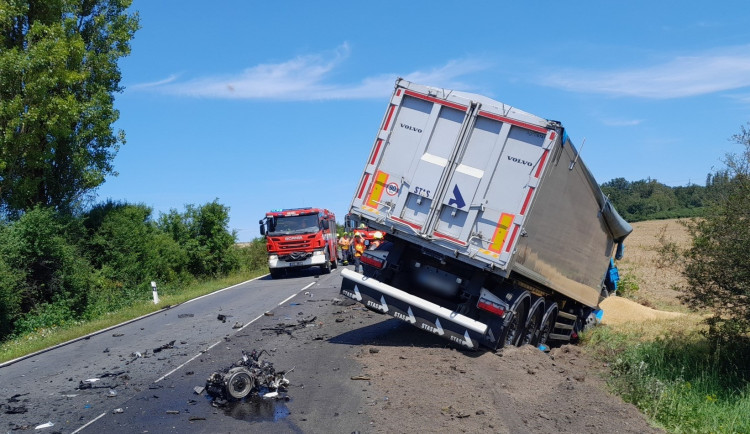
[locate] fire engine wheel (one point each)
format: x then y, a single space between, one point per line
326 268
276 273
239 383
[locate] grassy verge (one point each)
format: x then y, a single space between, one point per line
671 372
48 337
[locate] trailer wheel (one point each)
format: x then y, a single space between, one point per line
548 323
513 328
531 331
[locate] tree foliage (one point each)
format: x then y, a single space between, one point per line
649 199
58 74
201 231
718 262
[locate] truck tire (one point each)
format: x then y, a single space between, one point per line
276 273
548 323
531 332
513 328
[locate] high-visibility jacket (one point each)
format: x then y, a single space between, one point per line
344 243
359 247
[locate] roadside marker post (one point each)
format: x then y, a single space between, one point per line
156 295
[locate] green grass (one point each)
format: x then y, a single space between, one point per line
680 381
48 337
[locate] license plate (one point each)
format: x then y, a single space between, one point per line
295 264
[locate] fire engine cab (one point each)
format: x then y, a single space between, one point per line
298 238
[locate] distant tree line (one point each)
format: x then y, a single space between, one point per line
648 199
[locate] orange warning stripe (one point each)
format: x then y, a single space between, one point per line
378 186
498 239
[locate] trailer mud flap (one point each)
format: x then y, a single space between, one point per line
420 313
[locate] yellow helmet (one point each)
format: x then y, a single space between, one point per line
378 235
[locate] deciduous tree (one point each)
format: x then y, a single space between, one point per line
58 76
718 263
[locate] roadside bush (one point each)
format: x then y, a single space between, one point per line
628 286
129 251
203 233
43 266
11 283
253 256
717 268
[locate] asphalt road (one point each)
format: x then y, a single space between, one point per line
307 328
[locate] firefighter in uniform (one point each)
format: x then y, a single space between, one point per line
344 243
359 247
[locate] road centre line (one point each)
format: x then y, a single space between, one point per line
207 349
89 423
218 342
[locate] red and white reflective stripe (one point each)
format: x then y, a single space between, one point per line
526 202
435 100
388 119
512 237
364 183
451 239
415 226
521 124
541 163
377 150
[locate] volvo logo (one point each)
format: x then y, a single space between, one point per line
520 161
409 127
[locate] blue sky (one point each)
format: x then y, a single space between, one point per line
266 105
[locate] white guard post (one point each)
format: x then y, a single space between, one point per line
156 295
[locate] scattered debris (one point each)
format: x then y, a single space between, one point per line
112 393
268 313
361 377
118 411
374 350
193 418
237 325
185 315
167 346
289 328
222 318
173 411
198 389
117 335
16 410
44 425
15 397
244 377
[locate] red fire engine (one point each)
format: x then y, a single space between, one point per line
299 238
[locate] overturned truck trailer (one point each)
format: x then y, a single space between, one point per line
496 232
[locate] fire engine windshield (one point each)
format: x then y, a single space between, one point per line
299 224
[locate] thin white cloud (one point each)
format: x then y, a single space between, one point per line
683 76
306 78
622 122
153 84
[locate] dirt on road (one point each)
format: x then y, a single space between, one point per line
422 384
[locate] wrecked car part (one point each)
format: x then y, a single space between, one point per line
246 376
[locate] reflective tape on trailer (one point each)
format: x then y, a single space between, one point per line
416 311
378 186
501 231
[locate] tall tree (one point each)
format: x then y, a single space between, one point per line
58 76
718 263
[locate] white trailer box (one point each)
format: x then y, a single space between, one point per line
463 177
